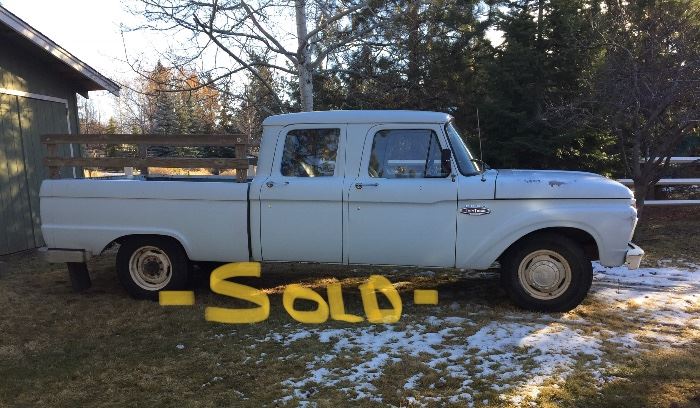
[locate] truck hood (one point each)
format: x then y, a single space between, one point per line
532 184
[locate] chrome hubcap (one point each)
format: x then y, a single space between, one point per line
150 268
544 274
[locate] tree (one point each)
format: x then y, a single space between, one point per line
89 122
164 120
543 63
424 58
111 129
257 103
646 90
246 30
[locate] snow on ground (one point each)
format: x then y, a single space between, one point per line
516 354
663 302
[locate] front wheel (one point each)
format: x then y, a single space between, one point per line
547 273
147 265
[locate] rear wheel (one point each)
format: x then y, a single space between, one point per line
547 273
147 265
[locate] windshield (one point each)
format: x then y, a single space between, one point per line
465 160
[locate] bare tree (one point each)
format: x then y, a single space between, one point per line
134 107
646 91
252 34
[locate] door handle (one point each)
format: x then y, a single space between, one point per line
360 185
475 210
271 184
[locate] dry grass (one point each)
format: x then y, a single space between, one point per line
671 234
101 348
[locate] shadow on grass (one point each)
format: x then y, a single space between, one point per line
452 285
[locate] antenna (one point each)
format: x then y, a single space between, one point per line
481 152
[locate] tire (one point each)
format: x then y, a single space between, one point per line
546 273
148 264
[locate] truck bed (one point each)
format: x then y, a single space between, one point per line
190 209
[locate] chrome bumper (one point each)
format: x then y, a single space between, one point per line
634 256
64 255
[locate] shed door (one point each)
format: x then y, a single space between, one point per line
22 122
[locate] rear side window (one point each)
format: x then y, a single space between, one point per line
310 152
406 153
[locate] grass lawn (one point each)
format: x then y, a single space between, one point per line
634 342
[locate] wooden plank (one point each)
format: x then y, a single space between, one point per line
667 182
241 173
17 214
141 152
153 140
46 117
4 177
169 162
672 202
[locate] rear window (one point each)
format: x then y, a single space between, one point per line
310 152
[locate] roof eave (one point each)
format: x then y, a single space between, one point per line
42 41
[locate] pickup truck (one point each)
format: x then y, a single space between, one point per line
353 187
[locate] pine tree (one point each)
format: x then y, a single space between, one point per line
164 121
111 129
548 51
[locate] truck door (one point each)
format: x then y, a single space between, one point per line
402 207
301 202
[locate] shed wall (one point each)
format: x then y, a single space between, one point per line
22 122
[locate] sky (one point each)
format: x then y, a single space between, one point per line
92 31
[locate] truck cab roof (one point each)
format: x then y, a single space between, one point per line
358 116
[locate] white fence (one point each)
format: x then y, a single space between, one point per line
673 182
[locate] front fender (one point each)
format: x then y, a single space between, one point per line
610 223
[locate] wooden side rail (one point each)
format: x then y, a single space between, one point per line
150 140
142 142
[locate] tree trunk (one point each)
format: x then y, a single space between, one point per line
539 44
413 18
306 88
641 188
306 84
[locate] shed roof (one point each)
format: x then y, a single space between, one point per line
358 116
14 29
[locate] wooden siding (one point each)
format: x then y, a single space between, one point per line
38 118
22 122
28 71
15 213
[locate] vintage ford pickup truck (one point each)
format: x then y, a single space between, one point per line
354 187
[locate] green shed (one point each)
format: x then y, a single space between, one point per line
39 81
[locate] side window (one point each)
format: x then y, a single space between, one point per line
310 152
406 153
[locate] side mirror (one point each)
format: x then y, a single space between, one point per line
445 158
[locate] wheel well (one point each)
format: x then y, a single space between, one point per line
583 238
124 238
